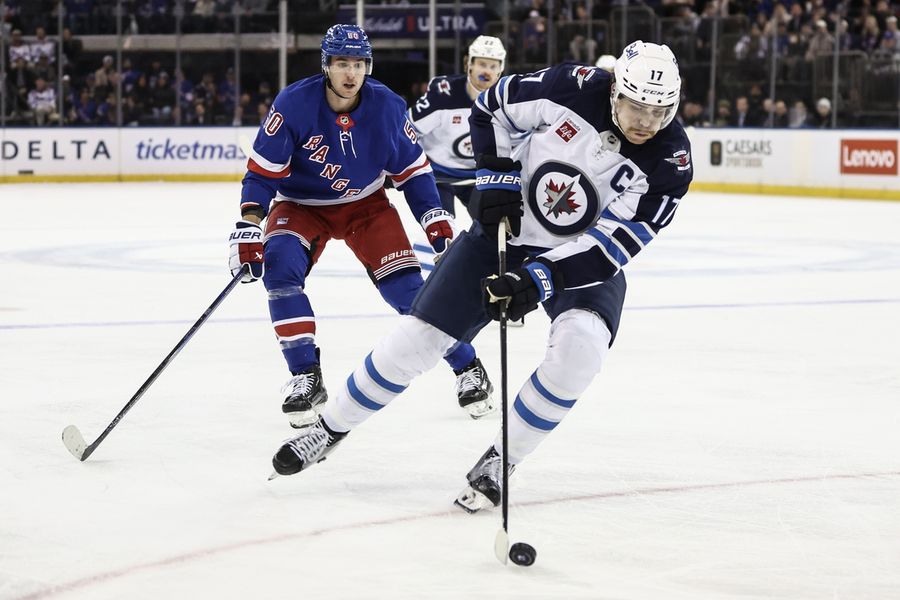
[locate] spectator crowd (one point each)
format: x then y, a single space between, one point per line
50 79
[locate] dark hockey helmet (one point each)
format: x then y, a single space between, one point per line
349 41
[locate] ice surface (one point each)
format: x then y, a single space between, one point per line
741 442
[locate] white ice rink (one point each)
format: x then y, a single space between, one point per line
743 440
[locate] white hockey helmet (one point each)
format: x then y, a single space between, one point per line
648 74
486 46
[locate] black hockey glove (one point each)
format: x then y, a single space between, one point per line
522 288
498 194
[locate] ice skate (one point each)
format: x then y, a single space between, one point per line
303 394
473 389
312 446
485 483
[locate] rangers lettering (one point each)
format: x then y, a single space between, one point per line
330 170
313 142
319 155
340 184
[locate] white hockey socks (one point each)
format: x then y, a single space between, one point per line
578 343
411 349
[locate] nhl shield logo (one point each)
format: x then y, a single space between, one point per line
563 199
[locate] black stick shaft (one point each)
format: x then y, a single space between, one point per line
153 376
504 401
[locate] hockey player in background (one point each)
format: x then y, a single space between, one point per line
317 172
600 175
441 118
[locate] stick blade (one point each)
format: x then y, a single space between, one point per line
501 546
74 441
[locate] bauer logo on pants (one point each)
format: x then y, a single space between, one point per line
869 157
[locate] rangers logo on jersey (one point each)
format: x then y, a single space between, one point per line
562 199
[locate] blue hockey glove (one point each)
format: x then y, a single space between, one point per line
498 194
246 248
522 289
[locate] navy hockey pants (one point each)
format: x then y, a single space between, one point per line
451 298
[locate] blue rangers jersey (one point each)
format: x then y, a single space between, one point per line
441 118
592 199
307 153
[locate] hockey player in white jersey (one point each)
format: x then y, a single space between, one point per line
601 173
441 118
317 172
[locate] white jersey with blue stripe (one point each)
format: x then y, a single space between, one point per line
309 154
441 118
592 199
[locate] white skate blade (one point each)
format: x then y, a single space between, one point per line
501 546
481 409
472 501
74 441
302 419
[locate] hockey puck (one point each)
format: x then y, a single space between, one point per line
522 554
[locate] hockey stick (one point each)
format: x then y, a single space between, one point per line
72 437
501 542
459 182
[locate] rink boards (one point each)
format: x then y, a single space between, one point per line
838 163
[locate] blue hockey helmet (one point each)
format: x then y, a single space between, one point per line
346 40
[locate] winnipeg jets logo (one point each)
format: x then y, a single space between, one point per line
582 74
559 198
562 199
444 87
681 159
462 146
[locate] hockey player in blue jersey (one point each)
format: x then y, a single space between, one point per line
441 118
317 172
599 174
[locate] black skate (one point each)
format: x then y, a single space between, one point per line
473 389
312 446
485 483
303 393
